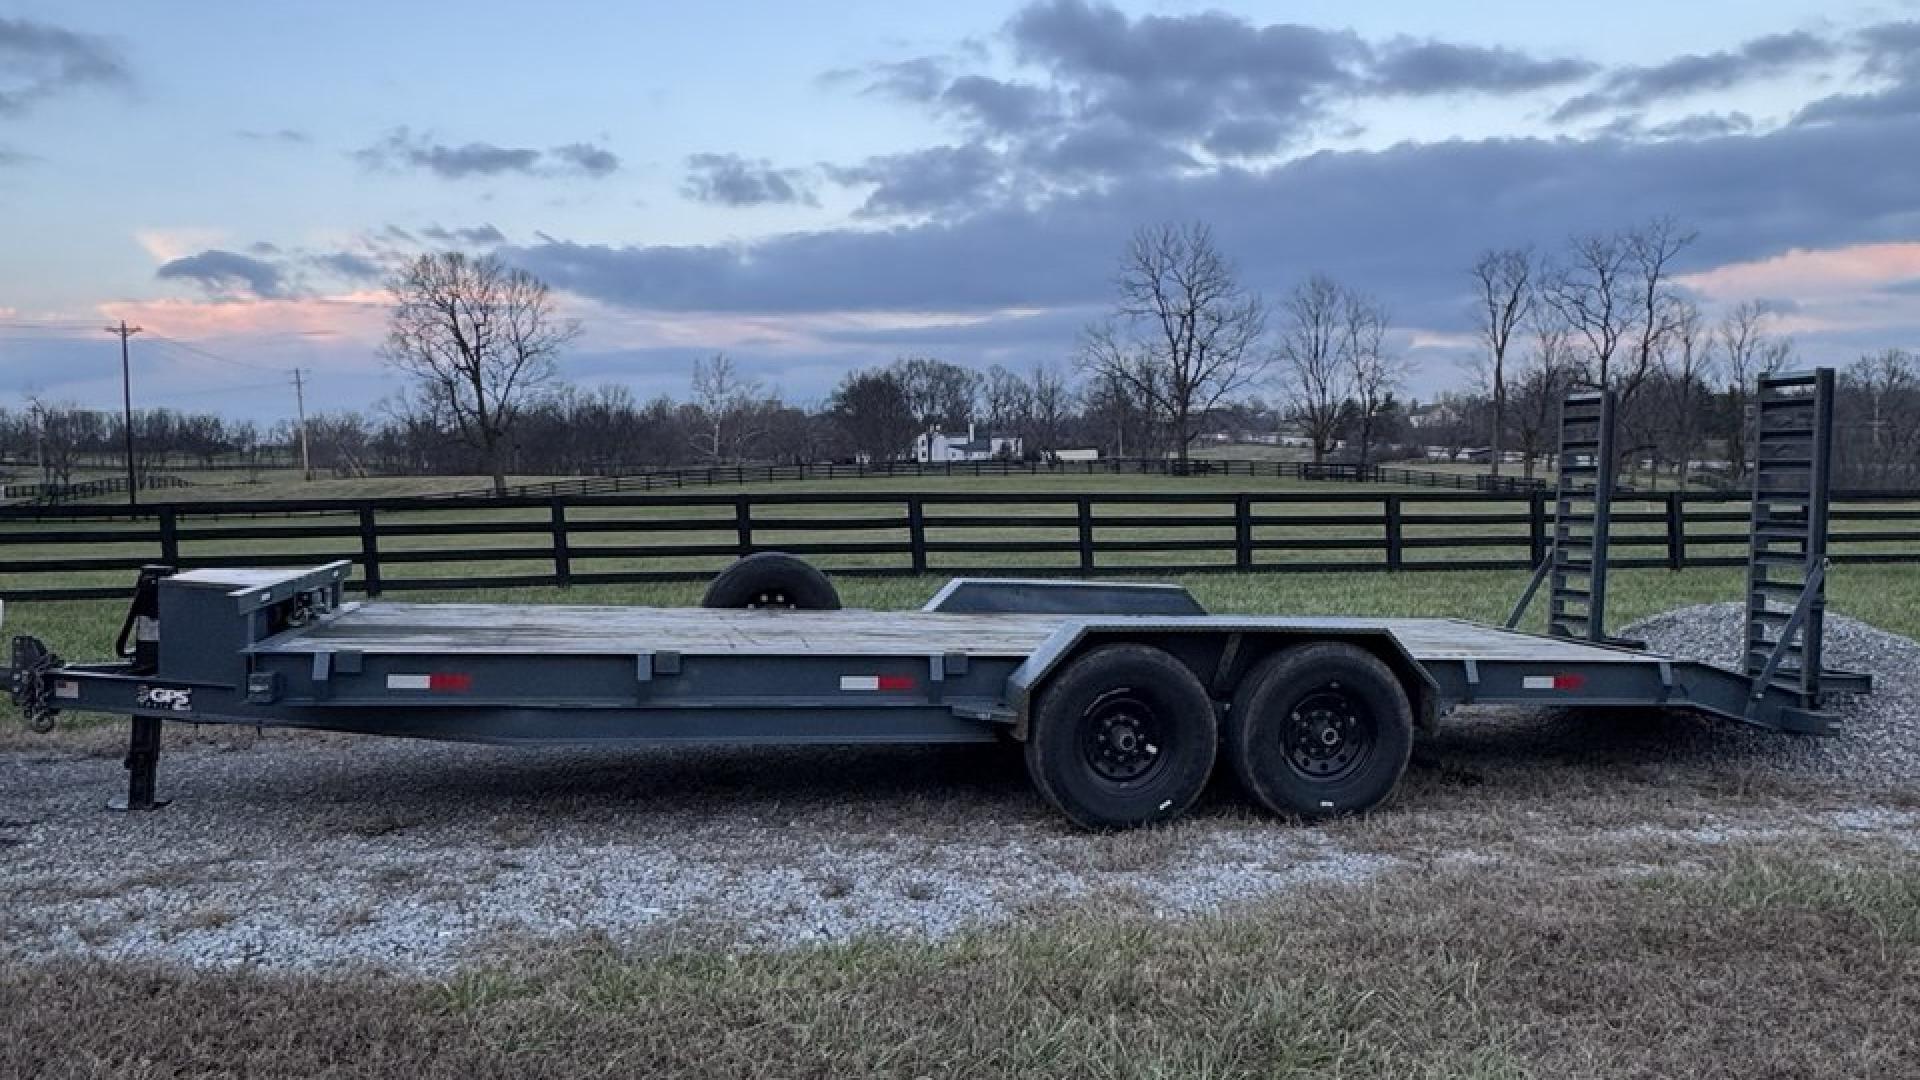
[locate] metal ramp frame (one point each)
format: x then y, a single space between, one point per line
1787 548
1576 560
1582 518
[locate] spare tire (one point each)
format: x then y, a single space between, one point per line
772 579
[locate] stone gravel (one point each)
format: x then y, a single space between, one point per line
1879 743
297 851
301 852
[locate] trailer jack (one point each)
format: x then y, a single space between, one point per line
143 766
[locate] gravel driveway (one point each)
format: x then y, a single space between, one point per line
300 851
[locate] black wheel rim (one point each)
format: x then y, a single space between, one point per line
1329 734
1123 738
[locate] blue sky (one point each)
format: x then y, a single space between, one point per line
813 188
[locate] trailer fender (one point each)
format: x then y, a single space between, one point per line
1220 651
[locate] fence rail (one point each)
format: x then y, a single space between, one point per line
79 552
715 475
87 489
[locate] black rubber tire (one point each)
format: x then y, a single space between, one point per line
772 579
1320 673
1163 709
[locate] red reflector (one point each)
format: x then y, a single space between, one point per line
1569 682
450 682
896 682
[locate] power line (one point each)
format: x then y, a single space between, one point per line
189 394
211 355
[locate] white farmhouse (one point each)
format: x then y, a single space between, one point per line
934 445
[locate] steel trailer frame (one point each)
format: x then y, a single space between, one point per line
284 648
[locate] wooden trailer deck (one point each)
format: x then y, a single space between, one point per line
530 629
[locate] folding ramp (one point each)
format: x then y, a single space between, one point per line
1577 603
1787 557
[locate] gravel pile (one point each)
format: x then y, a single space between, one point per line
1879 746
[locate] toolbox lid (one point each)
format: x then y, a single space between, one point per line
257 586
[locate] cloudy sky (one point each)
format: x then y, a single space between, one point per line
818 187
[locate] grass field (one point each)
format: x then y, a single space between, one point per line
1771 963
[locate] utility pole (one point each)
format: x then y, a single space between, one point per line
123 331
39 413
300 402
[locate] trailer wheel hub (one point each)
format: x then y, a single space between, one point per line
1120 738
1330 733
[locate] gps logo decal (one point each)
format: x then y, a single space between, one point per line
164 698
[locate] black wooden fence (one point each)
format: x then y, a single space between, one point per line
569 540
87 489
718 475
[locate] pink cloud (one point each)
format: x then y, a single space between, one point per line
352 316
1801 273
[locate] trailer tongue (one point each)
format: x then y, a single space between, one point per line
1122 694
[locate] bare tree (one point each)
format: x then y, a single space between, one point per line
1317 380
1549 370
1882 448
1591 294
1748 351
1008 400
724 398
59 433
1615 291
1052 403
1184 335
1686 363
1122 422
1506 294
941 395
1656 313
480 340
873 414
1373 372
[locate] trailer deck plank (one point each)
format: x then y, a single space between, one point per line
381 627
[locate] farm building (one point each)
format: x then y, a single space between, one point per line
934 445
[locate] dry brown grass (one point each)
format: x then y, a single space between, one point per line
1772 961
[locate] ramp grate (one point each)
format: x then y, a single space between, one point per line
1792 452
1577 603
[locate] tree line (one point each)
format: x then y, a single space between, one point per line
1186 352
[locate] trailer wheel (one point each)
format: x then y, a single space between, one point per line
772 579
1320 730
1123 736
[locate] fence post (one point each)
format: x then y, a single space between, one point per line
917 533
169 536
562 558
369 551
1085 506
1536 527
743 523
1676 532
1393 532
1243 532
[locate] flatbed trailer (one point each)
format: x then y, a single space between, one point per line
1124 695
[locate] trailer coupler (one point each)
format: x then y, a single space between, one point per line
29 684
